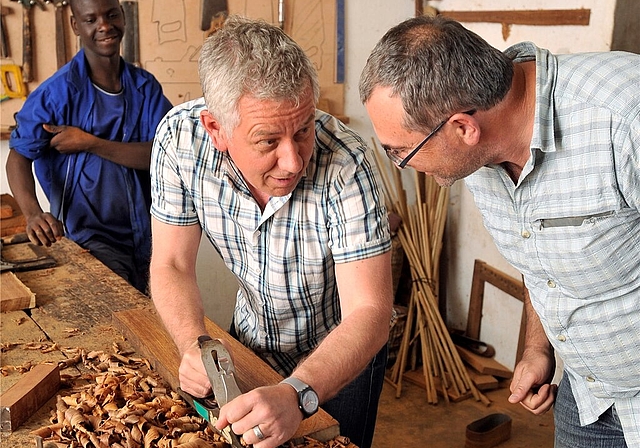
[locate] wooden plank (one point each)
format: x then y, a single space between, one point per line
524 17
6 211
482 381
417 377
25 397
145 331
14 295
484 365
484 273
17 222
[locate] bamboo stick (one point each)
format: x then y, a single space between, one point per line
425 332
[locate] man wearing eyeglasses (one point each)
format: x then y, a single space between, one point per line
550 148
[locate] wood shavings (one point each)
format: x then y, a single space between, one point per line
122 403
6 346
44 347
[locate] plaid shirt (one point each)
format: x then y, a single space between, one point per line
572 223
283 257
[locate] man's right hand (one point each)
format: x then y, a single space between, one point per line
43 229
192 374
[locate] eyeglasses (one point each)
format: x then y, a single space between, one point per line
400 162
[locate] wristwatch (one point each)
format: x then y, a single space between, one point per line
307 397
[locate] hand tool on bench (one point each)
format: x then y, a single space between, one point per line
27 43
221 372
40 260
214 13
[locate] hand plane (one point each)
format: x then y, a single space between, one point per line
221 372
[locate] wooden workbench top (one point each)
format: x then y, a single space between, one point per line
80 303
74 305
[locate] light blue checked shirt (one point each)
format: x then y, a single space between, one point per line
572 223
284 256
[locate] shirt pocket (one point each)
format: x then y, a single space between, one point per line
590 255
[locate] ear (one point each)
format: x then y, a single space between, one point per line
74 24
467 128
215 131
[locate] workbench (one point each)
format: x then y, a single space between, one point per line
80 303
75 301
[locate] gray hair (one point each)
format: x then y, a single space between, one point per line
252 57
437 67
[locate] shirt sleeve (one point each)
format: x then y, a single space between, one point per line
629 165
29 137
357 216
171 203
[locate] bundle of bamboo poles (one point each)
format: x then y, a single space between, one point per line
421 235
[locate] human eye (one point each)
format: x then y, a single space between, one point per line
267 144
303 133
391 151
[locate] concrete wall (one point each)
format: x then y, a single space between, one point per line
466 238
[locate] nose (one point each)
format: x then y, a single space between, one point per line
289 158
104 23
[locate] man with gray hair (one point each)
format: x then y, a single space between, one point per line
549 146
288 197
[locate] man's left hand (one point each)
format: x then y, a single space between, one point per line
274 409
69 139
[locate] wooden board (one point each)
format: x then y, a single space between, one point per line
6 211
417 377
17 222
14 295
25 397
144 330
483 382
487 366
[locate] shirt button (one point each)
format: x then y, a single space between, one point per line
525 234
590 379
561 338
551 284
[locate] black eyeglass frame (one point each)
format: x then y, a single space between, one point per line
403 163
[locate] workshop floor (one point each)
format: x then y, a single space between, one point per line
409 421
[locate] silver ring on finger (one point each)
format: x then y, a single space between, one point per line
258 433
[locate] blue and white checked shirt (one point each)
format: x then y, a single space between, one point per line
284 257
572 223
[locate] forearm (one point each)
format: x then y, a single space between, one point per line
136 155
22 184
173 284
535 337
177 299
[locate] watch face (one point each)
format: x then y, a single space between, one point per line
310 402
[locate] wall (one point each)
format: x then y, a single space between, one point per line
466 239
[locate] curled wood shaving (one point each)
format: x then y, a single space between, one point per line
6 346
122 403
